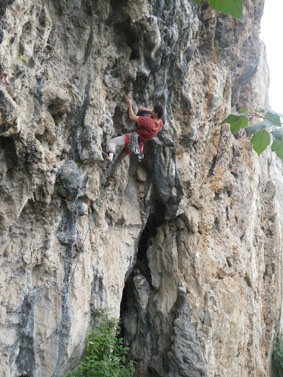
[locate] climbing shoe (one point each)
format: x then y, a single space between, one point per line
109 157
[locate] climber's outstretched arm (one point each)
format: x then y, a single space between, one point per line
145 110
132 115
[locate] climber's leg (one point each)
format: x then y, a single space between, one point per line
113 144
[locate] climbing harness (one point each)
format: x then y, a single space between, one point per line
68 281
135 148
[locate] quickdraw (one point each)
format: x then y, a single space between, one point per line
135 146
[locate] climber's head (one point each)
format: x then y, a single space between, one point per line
157 111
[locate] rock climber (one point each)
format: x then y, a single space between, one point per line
148 127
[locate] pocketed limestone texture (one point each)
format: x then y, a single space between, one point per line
186 246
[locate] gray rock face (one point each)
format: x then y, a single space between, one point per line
186 246
26 359
161 345
186 357
166 179
69 180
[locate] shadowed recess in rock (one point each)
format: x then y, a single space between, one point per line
160 346
8 152
137 327
3 5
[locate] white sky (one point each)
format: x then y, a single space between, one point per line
272 35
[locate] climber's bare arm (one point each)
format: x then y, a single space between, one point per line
145 110
132 115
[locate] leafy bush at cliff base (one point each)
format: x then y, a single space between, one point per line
277 355
231 7
105 354
262 136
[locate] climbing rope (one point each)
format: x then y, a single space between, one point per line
68 281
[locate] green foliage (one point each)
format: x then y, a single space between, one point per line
260 141
243 111
231 7
277 355
273 117
236 121
277 147
261 136
105 354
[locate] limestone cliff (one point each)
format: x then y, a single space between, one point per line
185 246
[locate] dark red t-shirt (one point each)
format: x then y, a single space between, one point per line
147 128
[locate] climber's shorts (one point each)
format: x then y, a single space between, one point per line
127 148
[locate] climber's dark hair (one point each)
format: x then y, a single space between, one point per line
158 109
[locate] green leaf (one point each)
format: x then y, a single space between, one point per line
236 121
198 1
273 117
231 7
258 126
278 133
260 141
106 354
277 147
242 111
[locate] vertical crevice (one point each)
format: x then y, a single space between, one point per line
148 234
136 309
162 342
69 183
89 44
77 118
